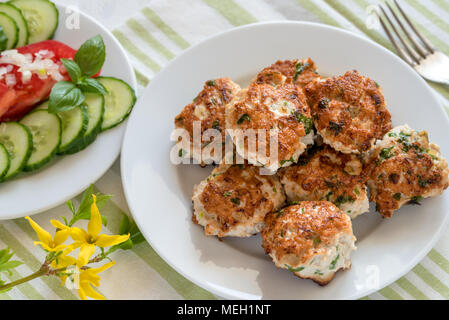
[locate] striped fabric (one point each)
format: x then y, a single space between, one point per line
154 36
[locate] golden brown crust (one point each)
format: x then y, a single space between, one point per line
213 99
405 168
300 230
235 195
302 72
349 111
271 90
326 175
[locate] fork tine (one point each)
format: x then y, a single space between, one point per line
411 52
399 49
420 36
421 50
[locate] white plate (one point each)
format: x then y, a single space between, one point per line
159 193
67 176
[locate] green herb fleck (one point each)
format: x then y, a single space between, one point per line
316 241
397 196
235 201
324 103
227 193
181 153
299 269
289 160
243 118
307 122
300 67
356 191
336 127
211 83
415 200
386 153
343 199
334 262
318 272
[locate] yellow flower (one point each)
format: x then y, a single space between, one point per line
87 240
63 260
46 241
89 278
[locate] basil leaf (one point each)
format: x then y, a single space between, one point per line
3 39
73 69
65 96
92 85
91 55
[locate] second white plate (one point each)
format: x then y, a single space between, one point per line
67 176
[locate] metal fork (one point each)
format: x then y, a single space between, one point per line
430 63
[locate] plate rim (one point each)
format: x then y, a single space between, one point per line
100 173
205 284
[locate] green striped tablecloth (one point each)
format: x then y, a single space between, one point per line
158 31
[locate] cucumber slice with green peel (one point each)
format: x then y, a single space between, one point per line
41 16
4 161
10 29
42 106
45 127
119 101
74 125
18 17
18 141
95 109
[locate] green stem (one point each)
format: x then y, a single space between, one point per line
35 275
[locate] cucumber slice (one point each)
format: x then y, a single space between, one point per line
17 16
46 129
41 16
18 141
10 29
74 125
118 103
43 106
95 110
4 161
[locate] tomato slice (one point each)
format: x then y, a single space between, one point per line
17 101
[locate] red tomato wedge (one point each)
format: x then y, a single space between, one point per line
17 100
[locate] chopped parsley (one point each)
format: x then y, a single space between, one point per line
280 213
336 127
334 262
274 190
235 201
181 153
356 191
376 84
282 233
329 195
289 160
216 125
392 134
227 193
300 67
244 118
415 200
307 122
397 196
343 199
179 119
299 269
318 272
316 241
324 103
211 83
422 182
386 153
